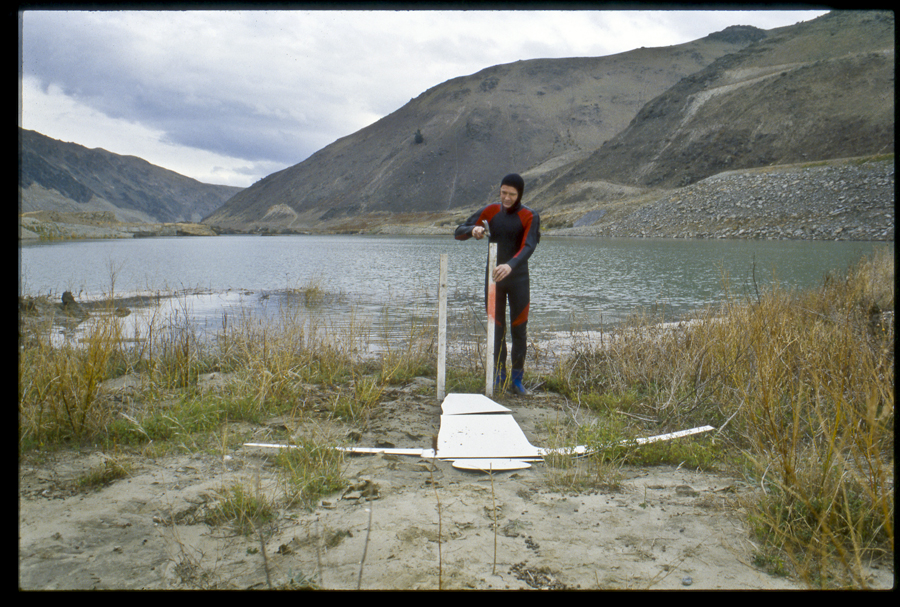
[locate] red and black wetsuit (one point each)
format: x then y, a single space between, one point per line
517 232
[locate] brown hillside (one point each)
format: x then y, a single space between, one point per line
67 177
814 91
446 149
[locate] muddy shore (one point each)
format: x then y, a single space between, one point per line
399 523
432 526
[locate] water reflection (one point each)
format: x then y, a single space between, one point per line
388 280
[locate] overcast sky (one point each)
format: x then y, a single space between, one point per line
229 97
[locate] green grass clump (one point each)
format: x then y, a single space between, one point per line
246 509
112 469
311 469
694 453
357 404
606 438
190 422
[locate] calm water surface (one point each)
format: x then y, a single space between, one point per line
586 281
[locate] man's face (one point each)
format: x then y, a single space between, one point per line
508 195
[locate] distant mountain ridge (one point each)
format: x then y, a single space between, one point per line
447 148
60 176
595 138
593 131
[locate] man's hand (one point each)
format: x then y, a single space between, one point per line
501 272
478 232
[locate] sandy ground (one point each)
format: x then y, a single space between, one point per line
402 523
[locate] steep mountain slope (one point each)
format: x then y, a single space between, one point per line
814 91
447 148
60 176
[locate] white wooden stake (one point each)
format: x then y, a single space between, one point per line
491 308
442 329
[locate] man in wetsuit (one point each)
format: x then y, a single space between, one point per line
517 230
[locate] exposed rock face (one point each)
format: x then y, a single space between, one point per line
598 139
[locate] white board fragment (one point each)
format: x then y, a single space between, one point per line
427 453
483 436
671 435
490 465
470 404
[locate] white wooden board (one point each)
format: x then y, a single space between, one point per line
470 404
482 436
477 433
671 435
427 453
490 465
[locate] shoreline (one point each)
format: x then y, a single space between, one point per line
837 200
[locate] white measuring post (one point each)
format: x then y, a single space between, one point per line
442 329
491 310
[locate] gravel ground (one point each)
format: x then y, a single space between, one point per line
841 200
835 202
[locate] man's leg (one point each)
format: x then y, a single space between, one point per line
519 302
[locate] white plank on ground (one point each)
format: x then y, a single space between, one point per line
671 435
427 453
490 465
470 404
477 433
482 436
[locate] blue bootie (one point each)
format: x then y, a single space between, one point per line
516 386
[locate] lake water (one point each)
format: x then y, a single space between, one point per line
591 282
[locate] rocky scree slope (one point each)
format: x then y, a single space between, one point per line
850 200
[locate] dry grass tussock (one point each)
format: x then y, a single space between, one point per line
800 386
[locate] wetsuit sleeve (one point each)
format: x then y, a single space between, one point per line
531 221
464 232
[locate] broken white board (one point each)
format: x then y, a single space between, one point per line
477 433
490 465
578 450
671 435
470 404
269 446
483 437
427 453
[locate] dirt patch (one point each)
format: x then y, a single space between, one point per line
401 523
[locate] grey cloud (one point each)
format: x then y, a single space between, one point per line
276 87
223 110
